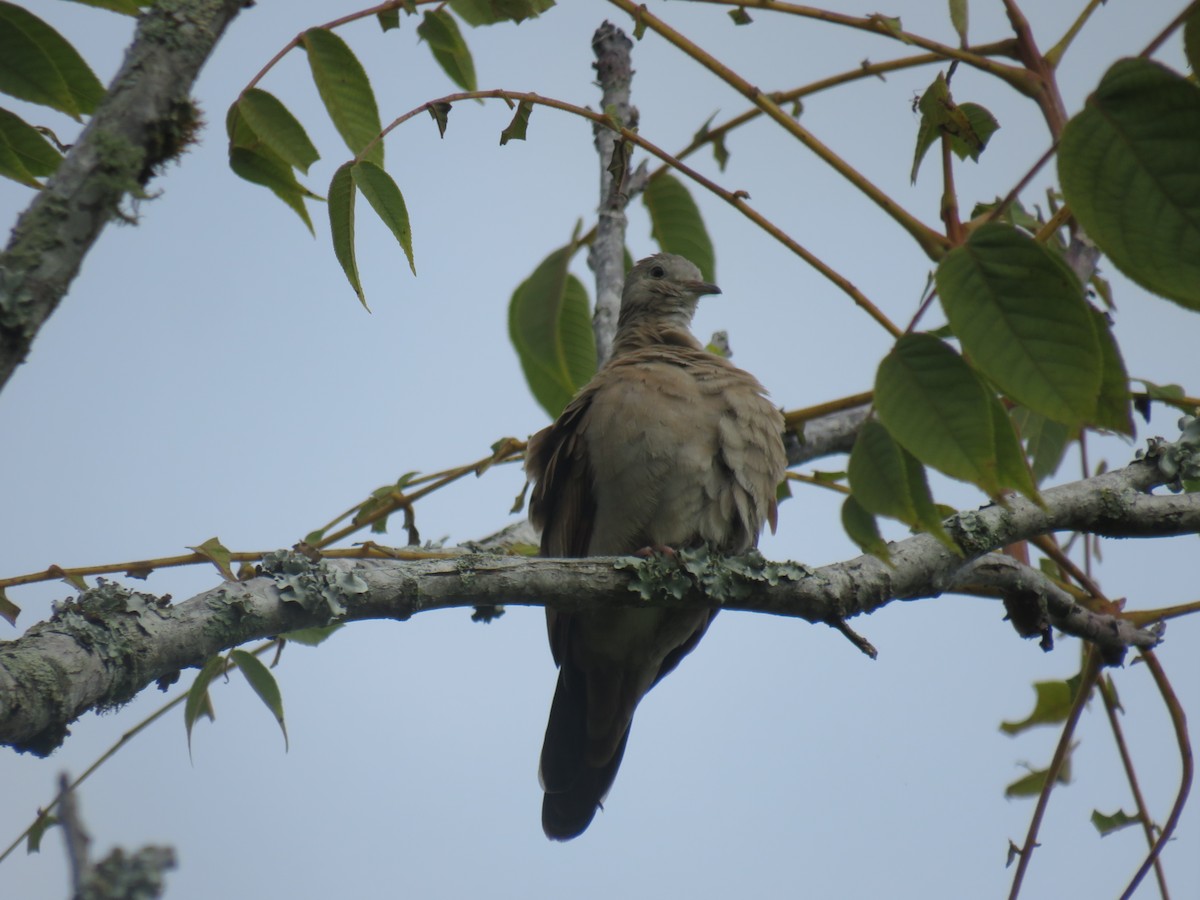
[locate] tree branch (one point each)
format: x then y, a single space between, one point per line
101 650
145 119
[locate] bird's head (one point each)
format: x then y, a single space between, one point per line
662 291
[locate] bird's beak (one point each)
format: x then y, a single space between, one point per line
701 287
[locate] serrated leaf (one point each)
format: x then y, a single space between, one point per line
958 18
25 155
1114 405
39 65
346 92
311 637
341 226
198 702
272 123
489 12
1129 165
263 683
265 168
1021 317
549 324
676 224
861 527
519 125
8 610
1051 707
440 31
385 198
217 554
1106 825
936 407
1035 782
889 481
1012 468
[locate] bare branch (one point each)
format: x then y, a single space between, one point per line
99 651
146 119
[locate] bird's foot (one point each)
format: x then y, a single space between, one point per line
660 549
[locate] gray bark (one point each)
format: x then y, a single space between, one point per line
146 119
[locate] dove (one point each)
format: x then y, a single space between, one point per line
668 447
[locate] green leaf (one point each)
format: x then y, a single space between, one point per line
549 324
265 168
969 126
520 123
1012 468
346 92
676 224
385 198
1021 317
1106 825
958 18
37 831
890 25
264 685
388 19
1035 782
1053 704
489 12
198 702
1191 40
271 122
888 481
936 407
1045 441
440 31
341 225
39 65
1129 165
217 554
720 151
982 125
8 610
25 155
862 528
311 637
125 7
740 16
1114 405
441 115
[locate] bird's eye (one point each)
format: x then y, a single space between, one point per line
657 272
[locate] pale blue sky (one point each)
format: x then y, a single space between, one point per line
211 373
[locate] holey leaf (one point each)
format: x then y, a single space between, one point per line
1022 319
676 224
551 329
345 90
1129 165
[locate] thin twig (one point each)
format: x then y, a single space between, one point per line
1091 669
1186 765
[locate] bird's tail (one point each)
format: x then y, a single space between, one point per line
574 789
